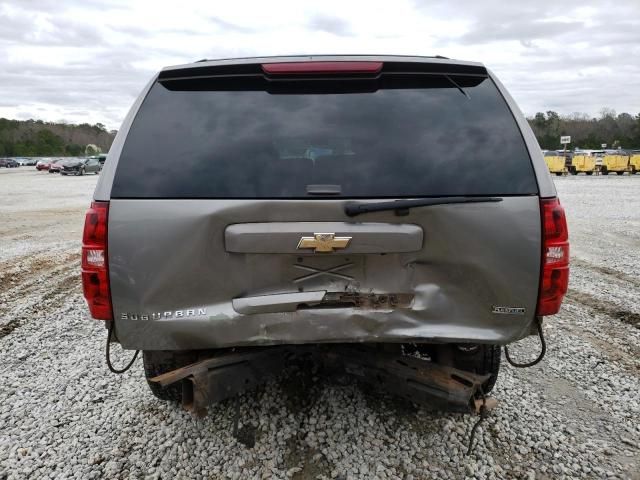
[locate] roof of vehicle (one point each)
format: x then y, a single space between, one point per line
203 64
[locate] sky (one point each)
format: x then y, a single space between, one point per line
85 61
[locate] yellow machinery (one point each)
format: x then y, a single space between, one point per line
634 162
615 162
583 163
555 162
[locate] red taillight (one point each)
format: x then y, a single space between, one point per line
321 67
554 277
95 268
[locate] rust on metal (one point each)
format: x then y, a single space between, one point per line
371 301
415 379
421 381
489 403
220 377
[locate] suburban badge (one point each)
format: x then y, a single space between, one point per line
508 310
189 312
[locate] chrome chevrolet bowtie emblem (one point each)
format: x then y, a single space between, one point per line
323 242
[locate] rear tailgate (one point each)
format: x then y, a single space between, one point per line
227 222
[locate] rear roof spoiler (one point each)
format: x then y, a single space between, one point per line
253 66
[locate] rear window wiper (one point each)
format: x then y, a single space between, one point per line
402 206
460 89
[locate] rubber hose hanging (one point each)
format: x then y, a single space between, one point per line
108 354
483 415
543 350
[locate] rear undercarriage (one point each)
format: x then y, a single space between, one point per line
443 377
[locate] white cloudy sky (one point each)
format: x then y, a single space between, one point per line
86 60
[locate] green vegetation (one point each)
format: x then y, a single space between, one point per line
34 138
621 130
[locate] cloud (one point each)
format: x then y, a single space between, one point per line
87 60
228 26
523 33
329 24
22 28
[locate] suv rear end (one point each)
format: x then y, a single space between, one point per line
318 200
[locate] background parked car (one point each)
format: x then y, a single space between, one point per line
82 166
56 166
8 163
25 162
43 164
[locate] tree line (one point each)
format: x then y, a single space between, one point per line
614 130
35 138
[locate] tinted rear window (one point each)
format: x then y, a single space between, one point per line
429 135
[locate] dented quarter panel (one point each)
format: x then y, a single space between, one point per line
169 255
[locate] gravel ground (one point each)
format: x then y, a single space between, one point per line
63 415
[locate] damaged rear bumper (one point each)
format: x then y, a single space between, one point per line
421 381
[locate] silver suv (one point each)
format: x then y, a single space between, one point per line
398 203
